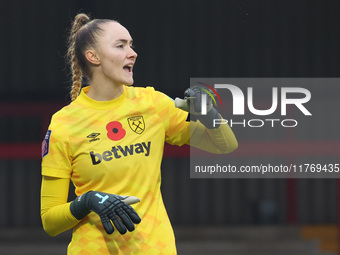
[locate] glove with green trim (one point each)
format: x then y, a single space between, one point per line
192 103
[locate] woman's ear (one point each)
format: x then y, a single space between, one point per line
92 57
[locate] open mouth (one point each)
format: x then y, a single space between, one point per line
128 68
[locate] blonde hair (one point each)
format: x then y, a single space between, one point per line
83 35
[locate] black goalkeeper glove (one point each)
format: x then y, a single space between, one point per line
192 103
109 207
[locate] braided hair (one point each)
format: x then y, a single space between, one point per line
82 36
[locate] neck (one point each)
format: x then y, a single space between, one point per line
103 90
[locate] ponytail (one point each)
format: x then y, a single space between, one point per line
82 36
79 21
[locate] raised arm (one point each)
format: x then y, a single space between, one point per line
204 133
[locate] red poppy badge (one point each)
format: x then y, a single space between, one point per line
115 131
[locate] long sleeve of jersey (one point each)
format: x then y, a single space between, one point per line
218 140
55 211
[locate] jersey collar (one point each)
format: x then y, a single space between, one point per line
100 105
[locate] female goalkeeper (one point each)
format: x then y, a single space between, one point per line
109 142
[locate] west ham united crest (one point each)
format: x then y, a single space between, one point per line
137 124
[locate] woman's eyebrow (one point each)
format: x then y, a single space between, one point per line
124 41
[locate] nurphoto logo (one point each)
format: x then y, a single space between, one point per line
301 97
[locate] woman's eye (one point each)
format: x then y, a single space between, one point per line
120 46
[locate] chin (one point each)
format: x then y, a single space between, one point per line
129 83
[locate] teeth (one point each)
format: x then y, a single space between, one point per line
130 66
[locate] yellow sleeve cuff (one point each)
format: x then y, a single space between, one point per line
219 140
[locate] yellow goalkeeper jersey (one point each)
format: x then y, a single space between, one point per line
117 147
